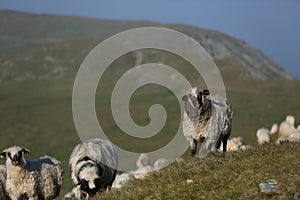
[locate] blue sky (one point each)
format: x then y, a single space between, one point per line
273 26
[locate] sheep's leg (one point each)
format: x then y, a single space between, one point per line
224 144
218 145
193 147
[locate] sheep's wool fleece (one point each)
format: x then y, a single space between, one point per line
44 175
100 151
220 122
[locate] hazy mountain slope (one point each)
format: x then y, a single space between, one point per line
20 32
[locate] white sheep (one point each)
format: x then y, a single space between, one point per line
142 161
36 179
281 139
290 119
74 194
263 136
208 119
274 129
142 172
3 176
287 126
93 165
234 144
160 163
295 136
122 179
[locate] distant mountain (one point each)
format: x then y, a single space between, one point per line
30 42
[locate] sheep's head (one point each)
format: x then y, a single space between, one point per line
15 155
195 100
89 179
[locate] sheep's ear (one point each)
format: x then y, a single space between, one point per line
3 154
205 92
184 98
25 150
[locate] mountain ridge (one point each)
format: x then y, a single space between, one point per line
21 31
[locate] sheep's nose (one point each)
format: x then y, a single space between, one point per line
15 160
92 185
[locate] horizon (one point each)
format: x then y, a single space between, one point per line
273 28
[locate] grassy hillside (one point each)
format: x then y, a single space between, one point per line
38 65
235 175
38 115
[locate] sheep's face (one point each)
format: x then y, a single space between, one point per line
88 178
15 155
192 102
192 98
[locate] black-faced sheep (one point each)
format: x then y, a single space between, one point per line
93 166
208 119
36 179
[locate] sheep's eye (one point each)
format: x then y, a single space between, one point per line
9 155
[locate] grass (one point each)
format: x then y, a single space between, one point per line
38 115
235 175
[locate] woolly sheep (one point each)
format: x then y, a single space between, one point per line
295 136
263 136
274 129
234 144
93 166
142 161
35 179
208 119
3 175
290 119
74 194
281 139
160 163
287 126
142 172
122 180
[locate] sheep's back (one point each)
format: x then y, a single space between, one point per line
50 176
98 151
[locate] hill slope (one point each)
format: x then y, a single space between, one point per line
234 176
22 31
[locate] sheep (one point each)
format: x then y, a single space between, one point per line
160 163
234 144
74 194
142 172
36 179
274 129
293 137
290 119
122 180
263 136
287 126
93 165
3 175
208 119
142 161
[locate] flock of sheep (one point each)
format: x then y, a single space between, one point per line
287 132
93 163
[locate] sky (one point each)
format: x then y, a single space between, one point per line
272 26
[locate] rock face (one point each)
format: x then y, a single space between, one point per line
25 36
